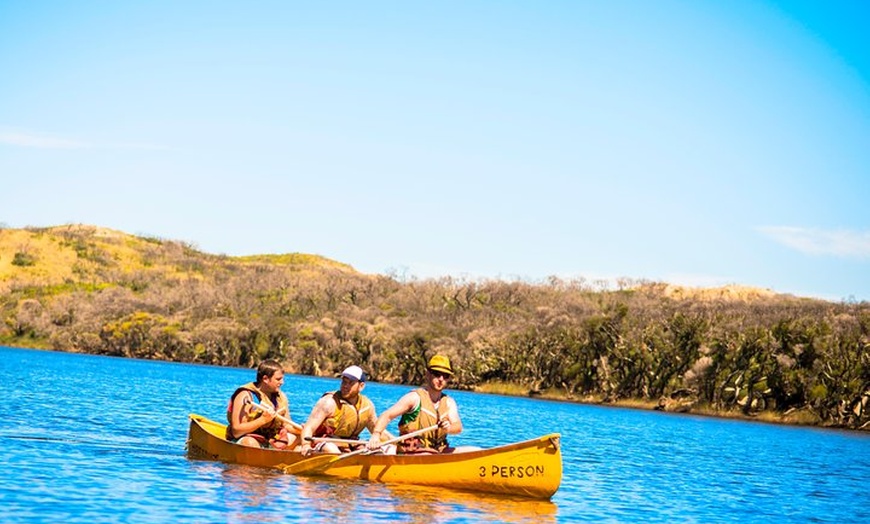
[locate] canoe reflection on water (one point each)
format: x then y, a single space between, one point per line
411 503
253 493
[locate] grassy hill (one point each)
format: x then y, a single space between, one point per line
76 255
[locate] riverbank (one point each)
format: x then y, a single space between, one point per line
795 417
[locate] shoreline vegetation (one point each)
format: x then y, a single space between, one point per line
792 418
731 352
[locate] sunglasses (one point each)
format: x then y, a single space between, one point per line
440 374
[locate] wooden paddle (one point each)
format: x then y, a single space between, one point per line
349 441
323 462
296 426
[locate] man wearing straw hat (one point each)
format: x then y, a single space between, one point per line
422 408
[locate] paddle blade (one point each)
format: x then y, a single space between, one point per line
311 465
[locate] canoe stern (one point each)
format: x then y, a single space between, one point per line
205 441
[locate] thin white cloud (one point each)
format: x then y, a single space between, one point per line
20 139
814 241
41 142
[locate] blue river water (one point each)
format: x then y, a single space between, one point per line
98 439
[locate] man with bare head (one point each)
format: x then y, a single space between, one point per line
259 412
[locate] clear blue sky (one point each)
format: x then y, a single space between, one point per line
699 143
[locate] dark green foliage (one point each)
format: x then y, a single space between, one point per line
23 259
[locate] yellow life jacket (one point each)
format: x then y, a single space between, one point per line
425 414
348 420
276 402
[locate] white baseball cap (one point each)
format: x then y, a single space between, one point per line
355 373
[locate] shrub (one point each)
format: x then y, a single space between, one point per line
23 259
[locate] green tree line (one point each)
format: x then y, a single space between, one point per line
782 355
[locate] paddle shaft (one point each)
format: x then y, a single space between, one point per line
336 440
282 418
323 462
398 439
388 442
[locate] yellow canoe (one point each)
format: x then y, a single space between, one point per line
532 468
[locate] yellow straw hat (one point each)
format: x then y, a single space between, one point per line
440 363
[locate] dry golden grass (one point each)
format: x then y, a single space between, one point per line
635 403
77 253
296 259
502 388
728 293
55 263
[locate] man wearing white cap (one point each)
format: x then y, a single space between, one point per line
340 416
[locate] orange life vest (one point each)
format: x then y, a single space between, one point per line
425 414
348 420
276 402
